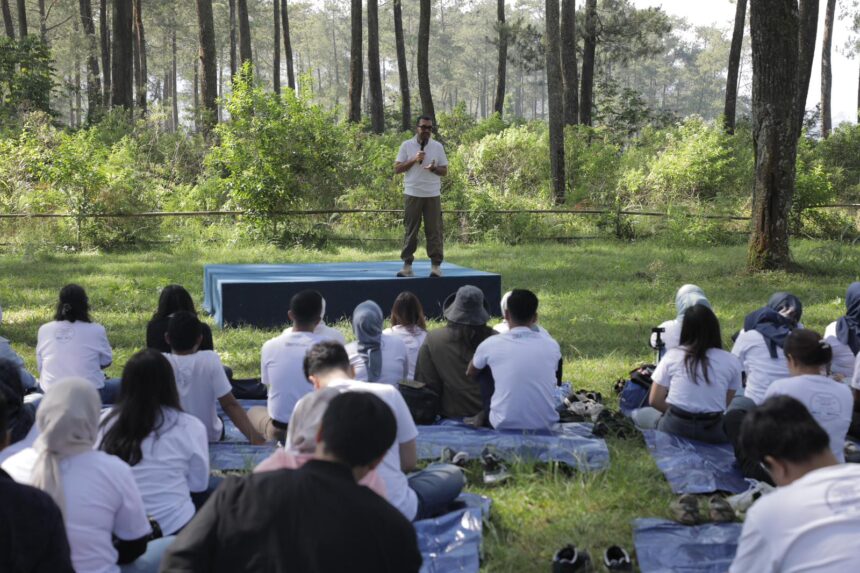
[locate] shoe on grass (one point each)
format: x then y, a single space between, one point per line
449 456
719 510
685 510
744 500
495 471
569 559
616 558
435 270
406 271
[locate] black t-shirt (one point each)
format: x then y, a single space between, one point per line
157 327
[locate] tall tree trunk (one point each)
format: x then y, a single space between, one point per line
209 80
552 44
424 60
233 58
142 76
568 62
7 19
808 29
730 108
43 25
826 69
402 69
121 60
196 96
586 98
774 26
858 102
104 34
335 57
244 31
93 80
377 111
276 52
356 69
22 19
501 70
174 91
288 45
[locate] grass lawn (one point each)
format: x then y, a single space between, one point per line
599 300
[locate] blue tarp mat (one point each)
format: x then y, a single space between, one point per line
233 456
664 546
570 444
695 467
452 542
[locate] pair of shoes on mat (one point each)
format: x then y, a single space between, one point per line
495 470
569 559
406 271
582 404
614 424
685 510
449 456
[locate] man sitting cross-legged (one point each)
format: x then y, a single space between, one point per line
812 521
518 392
423 494
201 380
314 519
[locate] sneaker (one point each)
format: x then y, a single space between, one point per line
495 471
616 558
852 452
744 500
685 510
569 559
449 456
435 271
719 510
406 271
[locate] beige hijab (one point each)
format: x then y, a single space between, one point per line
67 419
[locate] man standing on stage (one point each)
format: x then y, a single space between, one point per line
423 161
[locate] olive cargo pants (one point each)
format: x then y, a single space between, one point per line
430 208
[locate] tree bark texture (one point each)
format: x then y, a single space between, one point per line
808 29
502 67
774 26
731 104
568 62
43 19
122 65
356 69
276 47
94 97
827 69
174 92
22 19
141 78
377 108
244 31
424 60
7 19
233 56
552 44
208 64
104 35
288 45
402 69
586 99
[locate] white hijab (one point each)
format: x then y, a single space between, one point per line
68 419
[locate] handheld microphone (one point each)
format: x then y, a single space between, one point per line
423 143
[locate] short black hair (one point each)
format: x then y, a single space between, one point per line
358 428
806 347
523 305
782 428
184 329
324 357
424 117
306 307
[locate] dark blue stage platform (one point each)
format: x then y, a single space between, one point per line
259 295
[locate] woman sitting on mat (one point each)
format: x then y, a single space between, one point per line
694 383
376 357
167 449
408 324
686 297
843 335
173 298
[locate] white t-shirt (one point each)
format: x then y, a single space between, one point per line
281 366
396 484
503 327
698 397
830 403
672 337
201 381
524 365
761 369
843 357
325 331
65 349
420 182
811 525
175 462
101 498
395 360
413 338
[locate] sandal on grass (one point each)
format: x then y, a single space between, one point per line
685 510
719 509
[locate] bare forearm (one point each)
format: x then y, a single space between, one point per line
239 417
403 167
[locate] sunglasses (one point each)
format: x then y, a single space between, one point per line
425 127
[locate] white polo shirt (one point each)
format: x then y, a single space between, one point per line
395 360
761 368
420 182
843 357
697 396
201 381
282 370
65 349
524 365
413 338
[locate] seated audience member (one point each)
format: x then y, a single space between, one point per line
32 534
811 522
519 391
760 346
829 402
322 329
19 415
8 353
694 382
376 357
173 298
423 494
315 519
447 351
843 335
301 440
104 514
504 326
281 363
166 448
408 324
686 297
74 346
201 380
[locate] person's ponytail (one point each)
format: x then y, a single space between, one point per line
806 347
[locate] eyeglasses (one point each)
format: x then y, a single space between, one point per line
425 127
